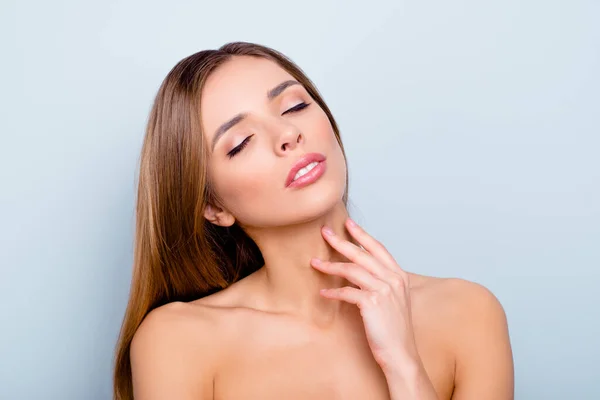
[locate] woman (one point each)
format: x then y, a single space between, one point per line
251 282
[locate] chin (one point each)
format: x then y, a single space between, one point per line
304 205
274 208
313 204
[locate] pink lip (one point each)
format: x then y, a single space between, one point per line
312 175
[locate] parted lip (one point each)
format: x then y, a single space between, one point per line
301 163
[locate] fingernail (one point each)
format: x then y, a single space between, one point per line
316 261
328 231
351 222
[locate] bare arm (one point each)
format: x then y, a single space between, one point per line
410 382
484 363
165 357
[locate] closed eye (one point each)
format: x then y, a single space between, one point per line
240 147
296 108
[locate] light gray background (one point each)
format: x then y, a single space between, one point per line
472 131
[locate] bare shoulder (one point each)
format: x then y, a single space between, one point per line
174 352
193 325
476 330
457 298
176 322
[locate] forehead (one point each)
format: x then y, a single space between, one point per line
239 85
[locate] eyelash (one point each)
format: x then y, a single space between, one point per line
240 147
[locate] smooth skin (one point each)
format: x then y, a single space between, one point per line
381 292
327 316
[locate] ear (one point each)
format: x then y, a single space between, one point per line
218 216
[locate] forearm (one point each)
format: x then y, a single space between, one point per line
410 383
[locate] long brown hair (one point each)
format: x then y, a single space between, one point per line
179 255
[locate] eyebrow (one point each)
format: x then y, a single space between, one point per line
271 94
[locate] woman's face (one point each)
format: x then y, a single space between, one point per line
253 154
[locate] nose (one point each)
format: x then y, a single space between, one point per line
289 138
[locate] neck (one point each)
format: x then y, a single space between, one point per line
290 283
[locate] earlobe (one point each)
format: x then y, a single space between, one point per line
218 216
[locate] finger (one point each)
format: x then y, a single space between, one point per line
352 272
347 294
355 254
372 245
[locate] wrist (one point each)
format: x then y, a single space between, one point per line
401 374
409 381
399 365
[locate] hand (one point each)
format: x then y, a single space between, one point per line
383 296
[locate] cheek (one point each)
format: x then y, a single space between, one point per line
245 186
323 130
324 134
